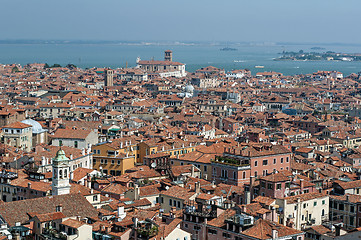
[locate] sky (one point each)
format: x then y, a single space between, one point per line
300 21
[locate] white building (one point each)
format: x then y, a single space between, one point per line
304 210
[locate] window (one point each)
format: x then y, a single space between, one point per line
244 175
270 186
288 184
315 203
274 161
352 208
170 202
118 162
323 202
279 185
352 221
263 184
304 205
76 144
255 163
226 235
281 160
234 175
95 198
265 162
113 162
323 212
341 207
255 174
212 231
287 159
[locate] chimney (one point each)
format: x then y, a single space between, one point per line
338 229
192 171
135 220
59 208
29 185
121 213
197 187
274 233
244 208
301 185
274 213
136 192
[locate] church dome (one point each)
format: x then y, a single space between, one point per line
189 89
60 156
36 127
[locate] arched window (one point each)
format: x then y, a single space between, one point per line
60 173
65 173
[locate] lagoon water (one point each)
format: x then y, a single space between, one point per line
194 56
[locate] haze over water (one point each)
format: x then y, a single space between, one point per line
194 56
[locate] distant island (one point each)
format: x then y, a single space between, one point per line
228 49
317 56
318 48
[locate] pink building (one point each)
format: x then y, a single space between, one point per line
284 184
238 164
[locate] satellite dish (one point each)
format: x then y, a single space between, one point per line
153 165
167 187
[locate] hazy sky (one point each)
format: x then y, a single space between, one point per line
193 20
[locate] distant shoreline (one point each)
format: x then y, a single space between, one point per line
171 43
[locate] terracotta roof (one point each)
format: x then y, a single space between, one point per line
282 176
47 217
73 205
73 223
18 125
305 197
262 229
71 133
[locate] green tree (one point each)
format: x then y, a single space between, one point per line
15 69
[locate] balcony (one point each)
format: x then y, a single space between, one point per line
52 233
231 161
207 211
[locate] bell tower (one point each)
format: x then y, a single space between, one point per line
61 172
109 78
168 55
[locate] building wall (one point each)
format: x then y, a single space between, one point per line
301 211
19 138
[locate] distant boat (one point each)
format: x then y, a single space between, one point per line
228 49
259 66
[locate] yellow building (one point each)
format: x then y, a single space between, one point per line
115 157
171 147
